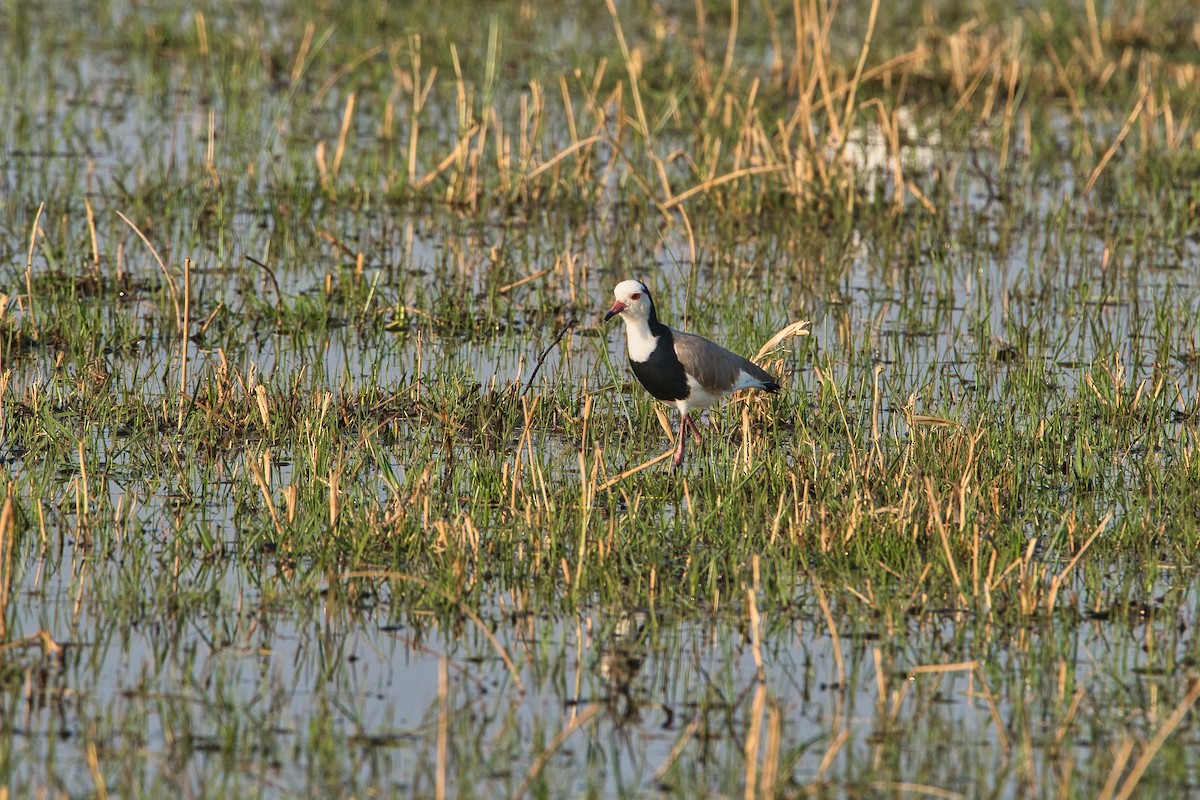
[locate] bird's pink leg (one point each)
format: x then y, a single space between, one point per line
685 422
680 440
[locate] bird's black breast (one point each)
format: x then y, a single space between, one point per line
661 373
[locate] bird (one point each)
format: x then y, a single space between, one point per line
677 368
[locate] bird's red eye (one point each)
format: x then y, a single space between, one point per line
635 295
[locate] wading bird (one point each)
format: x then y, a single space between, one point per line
678 368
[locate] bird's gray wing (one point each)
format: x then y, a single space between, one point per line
714 367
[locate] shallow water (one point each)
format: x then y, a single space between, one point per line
275 663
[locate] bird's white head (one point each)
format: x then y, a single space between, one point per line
632 301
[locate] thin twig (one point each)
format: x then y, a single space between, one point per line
542 358
274 282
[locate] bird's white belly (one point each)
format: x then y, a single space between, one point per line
697 397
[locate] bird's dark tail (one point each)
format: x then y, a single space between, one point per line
769 384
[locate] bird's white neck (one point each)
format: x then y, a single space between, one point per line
640 341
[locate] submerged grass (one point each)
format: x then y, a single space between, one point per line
303 368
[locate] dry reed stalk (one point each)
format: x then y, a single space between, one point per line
201 34
171 288
8 535
993 708
443 728
82 494
1057 581
256 472
727 64
33 232
925 669
544 757
93 762
184 325
849 109
1116 145
721 180
755 631
835 640
1119 759
419 96
1159 739
566 152
503 153
302 51
91 221
611 482
753 738
633 68
677 749
1014 72
1064 82
897 787
935 515
1064 725
455 156
347 116
530 124
835 746
335 481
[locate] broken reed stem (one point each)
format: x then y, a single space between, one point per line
83 483
91 220
347 116
712 183
184 325
443 727
260 480
800 328
7 535
29 269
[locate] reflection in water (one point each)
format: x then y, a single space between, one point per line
250 663
621 659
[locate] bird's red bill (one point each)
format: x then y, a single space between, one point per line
617 308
